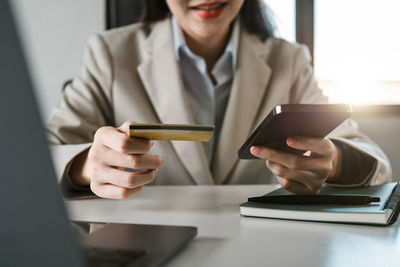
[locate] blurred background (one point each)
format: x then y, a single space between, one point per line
355 46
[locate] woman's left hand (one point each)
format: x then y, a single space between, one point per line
303 174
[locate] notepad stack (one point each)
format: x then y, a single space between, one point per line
383 213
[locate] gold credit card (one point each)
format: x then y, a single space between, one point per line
179 132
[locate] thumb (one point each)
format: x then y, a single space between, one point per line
124 128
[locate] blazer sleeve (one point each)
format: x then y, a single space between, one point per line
85 106
374 163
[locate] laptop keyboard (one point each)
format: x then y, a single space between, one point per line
100 257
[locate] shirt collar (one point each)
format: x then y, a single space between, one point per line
180 43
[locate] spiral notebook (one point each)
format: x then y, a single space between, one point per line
384 212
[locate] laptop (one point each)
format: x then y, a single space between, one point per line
34 228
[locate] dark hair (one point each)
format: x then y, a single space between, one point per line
256 16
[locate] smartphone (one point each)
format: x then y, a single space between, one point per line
311 120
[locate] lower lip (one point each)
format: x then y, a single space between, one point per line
209 14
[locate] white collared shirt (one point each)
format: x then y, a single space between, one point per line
207 101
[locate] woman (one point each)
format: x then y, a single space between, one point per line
203 62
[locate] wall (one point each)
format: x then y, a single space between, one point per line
54 34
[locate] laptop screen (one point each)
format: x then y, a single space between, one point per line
33 226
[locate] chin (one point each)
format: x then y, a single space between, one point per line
209 29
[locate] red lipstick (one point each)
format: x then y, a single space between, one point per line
209 10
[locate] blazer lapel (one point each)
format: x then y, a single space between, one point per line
247 92
161 78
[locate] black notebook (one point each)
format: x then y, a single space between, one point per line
384 212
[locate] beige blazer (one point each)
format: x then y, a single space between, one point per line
131 74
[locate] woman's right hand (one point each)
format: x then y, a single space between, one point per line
103 165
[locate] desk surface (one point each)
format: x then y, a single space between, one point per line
227 239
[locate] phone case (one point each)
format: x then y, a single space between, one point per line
312 120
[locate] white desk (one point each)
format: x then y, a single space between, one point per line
227 239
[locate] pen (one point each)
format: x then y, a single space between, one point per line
316 199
